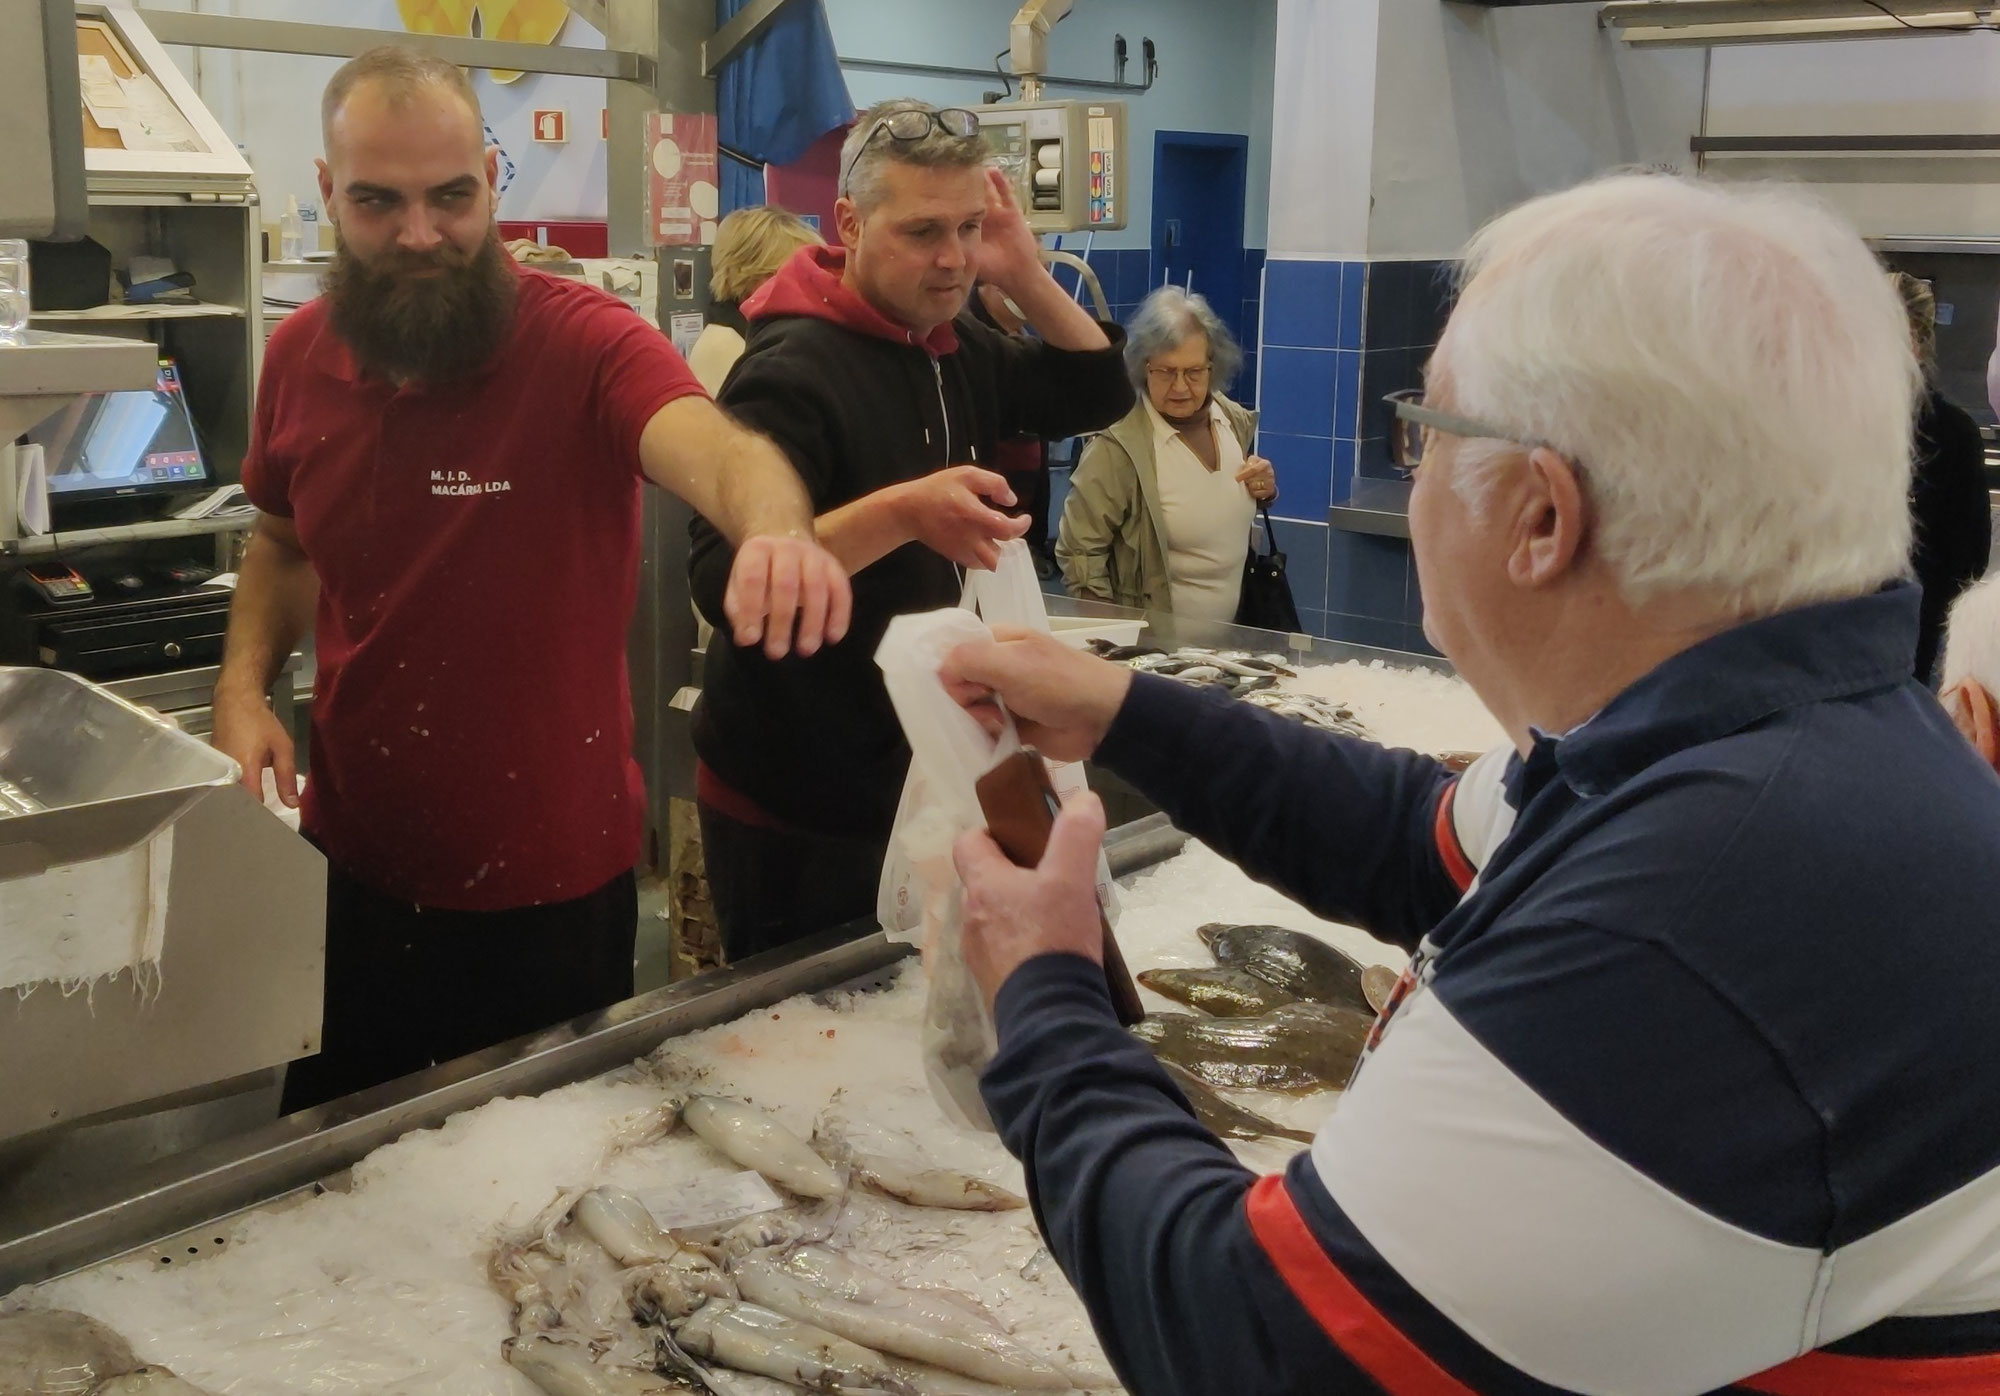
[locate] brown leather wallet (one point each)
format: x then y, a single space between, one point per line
1021 807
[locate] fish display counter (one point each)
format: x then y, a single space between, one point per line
739 1183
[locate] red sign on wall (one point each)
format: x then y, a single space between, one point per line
551 126
684 178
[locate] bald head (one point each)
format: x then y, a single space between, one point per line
396 78
407 171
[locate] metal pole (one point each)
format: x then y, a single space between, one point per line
340 41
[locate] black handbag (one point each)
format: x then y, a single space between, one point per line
1266 602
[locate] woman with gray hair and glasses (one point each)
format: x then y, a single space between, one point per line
1161 505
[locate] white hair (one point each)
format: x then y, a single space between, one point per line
1728 367
1972 637
1167 319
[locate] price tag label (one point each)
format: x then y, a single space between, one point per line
710 1201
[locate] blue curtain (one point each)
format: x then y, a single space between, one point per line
777 96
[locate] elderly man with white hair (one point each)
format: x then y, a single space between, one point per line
1971 682
1695 1084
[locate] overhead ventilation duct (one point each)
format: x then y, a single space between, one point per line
1698 23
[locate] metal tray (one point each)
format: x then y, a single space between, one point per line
84 774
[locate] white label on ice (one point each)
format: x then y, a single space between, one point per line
710 1201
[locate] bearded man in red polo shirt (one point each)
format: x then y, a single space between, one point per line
448 459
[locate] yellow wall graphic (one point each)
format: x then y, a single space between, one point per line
515 21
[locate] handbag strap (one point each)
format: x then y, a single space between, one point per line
1270 534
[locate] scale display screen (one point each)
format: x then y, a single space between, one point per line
108 444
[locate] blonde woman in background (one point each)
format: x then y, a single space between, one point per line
750 245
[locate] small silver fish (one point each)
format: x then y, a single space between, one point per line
816 1286
917 1183
767 1344
565 1369
748 1136
676 1288
620 1223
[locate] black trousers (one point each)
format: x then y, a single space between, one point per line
408 987
772 887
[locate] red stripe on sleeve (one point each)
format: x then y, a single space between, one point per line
1456 865
1357 1328
1832 1374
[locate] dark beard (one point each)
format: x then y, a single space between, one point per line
423 329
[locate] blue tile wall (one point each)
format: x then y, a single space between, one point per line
1366 630
1304 546
1343 468
1346 392
1299 391
1302 304
1349 331
1380 321
1304 467
1367 575
1413 597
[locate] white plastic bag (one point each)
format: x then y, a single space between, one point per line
919 898
919 894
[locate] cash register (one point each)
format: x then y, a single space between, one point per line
111 611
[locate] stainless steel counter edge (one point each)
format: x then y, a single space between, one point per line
209 1184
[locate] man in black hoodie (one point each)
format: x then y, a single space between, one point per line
890 400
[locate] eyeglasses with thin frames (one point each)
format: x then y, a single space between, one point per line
912 125
1413 419
1193 377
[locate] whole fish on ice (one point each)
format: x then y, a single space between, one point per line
620 1223
910 1180
817 1286
767 1344
1296 1048
566 1369
1294 961
749 1136
1226 1117
1221 993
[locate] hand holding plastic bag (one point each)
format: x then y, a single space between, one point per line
949 751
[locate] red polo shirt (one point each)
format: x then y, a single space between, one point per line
477 548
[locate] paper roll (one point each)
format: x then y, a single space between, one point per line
32 491
1048 179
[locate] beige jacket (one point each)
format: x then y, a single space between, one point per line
1112 544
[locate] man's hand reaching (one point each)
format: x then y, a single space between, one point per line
788 593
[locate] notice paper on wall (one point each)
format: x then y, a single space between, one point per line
684 184
142 114
684 329
151 121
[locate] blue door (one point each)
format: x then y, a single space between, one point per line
1199 179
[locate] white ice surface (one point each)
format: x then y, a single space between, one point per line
383 1290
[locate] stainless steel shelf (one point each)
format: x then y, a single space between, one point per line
43 544
45 369
119 313
1380 507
